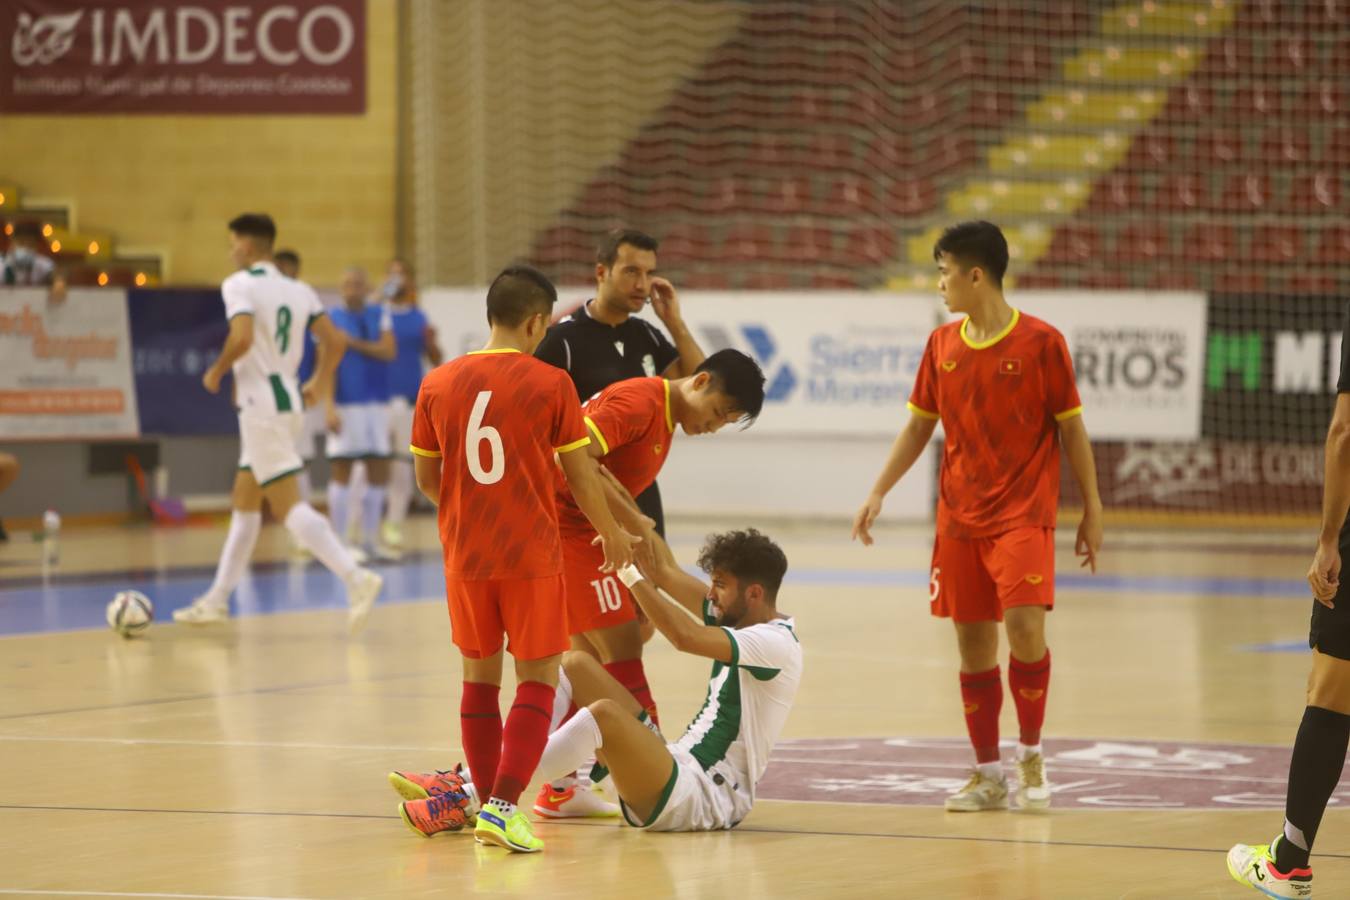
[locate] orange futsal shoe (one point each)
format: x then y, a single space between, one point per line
421 785
444 812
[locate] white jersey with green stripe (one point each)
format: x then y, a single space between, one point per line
748 702
282 309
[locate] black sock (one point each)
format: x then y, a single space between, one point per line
1314 771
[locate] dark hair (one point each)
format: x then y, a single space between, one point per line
287 256
608 251
518 293
749 556
255 225
976 243
739 377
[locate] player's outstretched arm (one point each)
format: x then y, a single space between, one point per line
329 349
1074 438
666 304
238 342
583 479
908 446
664 571
683 632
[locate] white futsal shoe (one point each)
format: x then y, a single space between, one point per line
574 801
202 611
1254 865
1033 790
363 586
979 794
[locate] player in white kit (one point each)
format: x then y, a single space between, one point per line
706 780
269 315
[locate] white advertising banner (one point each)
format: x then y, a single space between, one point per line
1138 357
836 363
65 368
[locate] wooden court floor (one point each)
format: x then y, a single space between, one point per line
249 761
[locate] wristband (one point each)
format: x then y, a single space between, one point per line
629 575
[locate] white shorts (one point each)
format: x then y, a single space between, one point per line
400 427
364 433
312 428
267 445
694 800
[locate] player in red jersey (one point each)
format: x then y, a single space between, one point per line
632 425
485 431
1002 384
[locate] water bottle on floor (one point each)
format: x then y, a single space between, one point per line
51 538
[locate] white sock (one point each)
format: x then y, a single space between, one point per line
338 497
304 484
400 490
502 808
563 783
315 532
234 556
356 487
1025 750
372 510
992 771
562 701
570 746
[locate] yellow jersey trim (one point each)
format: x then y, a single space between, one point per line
670 418
575 445
429 454
498 350
922 413
1069 414
600 438
982 345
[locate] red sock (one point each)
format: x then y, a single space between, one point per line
1029 682
982 695
524 739
480 729
630 674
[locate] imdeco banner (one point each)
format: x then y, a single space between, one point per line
240 57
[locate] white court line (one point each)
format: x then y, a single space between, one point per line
1057 769
32 893
282 745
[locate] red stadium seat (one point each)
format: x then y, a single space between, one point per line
1152 150
1276 244
1219 147
1117 192
1334 245
1143 242
1075 243
870 246
1182 191
911 196
1245 193
1211 242
808 243
1285 145
1315 192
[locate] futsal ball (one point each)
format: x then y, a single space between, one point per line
129 613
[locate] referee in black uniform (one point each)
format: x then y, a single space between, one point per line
602 342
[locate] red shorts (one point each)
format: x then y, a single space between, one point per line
595 599
975 580
529 611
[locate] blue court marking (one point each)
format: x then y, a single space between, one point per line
1299 646
67 603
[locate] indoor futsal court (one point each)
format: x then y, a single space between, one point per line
344 343
250 762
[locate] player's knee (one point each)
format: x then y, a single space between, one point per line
606 711
578 662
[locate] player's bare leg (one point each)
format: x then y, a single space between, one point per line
1029 680
982 698
619 650
610 729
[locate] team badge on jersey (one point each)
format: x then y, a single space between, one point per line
1010 367
948 365
648 364
618 345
